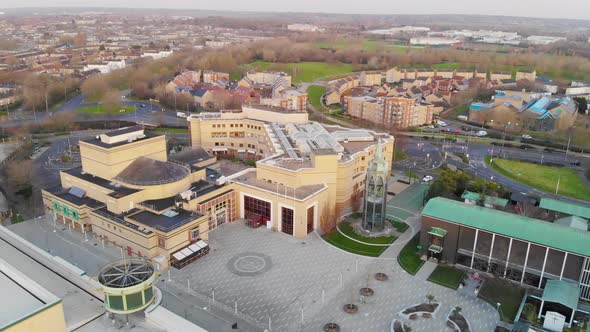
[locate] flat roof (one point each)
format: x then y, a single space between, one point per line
191 156
26 296
79 306
102 144
118 189
123 131
165 223
148 171
300 193
511 225
75 200
565 207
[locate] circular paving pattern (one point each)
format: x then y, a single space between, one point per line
249 264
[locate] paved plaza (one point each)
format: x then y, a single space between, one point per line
296 284
276 281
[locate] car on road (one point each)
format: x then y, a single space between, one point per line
181 114
525 136
575 163
441 123
141 105
430 127
427 179
456 132
481 133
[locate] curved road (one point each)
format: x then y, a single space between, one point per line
425 157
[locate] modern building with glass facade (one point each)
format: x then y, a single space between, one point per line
525 250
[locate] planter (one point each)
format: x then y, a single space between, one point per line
366 291
459 321
420 310
350 308
397 326
381 276
427 315
331 327
413 316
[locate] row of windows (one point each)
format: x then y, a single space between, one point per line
241 145
235 125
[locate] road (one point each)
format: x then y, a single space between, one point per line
424 156
146 113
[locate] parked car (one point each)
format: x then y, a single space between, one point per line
456 132
181 114
142 105
427 179
441 123
525 136
481 133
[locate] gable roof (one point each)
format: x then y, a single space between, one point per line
510 225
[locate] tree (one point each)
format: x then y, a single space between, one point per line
430 298
111 102
95 87
582 104
101 47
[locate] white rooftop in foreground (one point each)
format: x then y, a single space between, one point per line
26 296
39 286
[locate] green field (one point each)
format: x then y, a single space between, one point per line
314 94
447 276
543 177
304 71
507 294
409 257
363 44
100 109
338 240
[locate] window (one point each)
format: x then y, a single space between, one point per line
194 233
161 242
287 220
256 206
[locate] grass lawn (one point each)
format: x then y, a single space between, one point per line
171 130
338 240
543 177
315 93
507 294
99 109
399 155
447 276
304 71
409 257
398 225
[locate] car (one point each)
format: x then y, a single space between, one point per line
427 179
481 133
525 136
141 105
430 127
442 123
456 132
575 163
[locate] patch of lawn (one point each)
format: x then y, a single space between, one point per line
399 155
336 239
507 294
314 94
543 177
447 66
398 225
100 109
409 256
171 130
304 71
447 276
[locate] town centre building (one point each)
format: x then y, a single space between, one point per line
130 192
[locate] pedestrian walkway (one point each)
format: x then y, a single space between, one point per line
426 270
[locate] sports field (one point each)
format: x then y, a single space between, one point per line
543 177
304 71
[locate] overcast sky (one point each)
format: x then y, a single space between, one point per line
578 9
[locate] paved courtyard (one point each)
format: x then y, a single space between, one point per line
296 284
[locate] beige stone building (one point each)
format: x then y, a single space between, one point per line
307 175
500 75
266 77
290 98
391 112
530 75
369 78
210 76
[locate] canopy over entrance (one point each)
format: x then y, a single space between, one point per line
562 292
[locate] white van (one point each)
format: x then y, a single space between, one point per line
181 114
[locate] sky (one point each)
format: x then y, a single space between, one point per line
574 9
